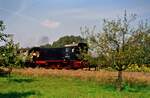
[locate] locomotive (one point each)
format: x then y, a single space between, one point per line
70 56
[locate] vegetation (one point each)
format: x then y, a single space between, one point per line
30 84
8 52
119 45
3 36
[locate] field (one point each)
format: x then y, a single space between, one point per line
47 83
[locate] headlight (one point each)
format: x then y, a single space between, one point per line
34 54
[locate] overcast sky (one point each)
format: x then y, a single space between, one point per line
33 20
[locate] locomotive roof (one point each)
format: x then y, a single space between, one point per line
74 44
69 45
41 48
48 50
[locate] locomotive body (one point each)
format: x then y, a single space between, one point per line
69 56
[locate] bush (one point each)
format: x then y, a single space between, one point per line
137 68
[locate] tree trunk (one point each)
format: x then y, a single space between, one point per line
119 81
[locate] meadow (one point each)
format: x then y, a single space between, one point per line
47 83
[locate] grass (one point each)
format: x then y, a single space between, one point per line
57 86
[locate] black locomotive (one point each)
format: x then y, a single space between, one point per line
69 56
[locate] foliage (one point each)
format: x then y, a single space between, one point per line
137 68
3 36
119 44
140 44
10 53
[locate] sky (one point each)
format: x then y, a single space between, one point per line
36 22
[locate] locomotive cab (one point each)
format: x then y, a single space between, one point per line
74 51
75 54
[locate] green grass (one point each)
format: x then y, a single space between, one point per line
18 86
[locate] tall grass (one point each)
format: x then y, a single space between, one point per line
102 76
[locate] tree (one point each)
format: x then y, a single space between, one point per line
10 52
116 33
111 43
3 36
140 44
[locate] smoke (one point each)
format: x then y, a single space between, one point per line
43 40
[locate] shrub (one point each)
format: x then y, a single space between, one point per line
137 68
